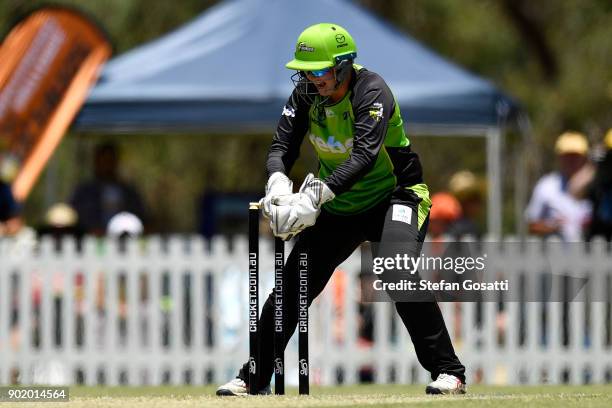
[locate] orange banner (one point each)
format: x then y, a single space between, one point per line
48 63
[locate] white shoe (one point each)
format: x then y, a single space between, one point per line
237 387
446 384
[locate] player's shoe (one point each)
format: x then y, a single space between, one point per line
446 384
237 387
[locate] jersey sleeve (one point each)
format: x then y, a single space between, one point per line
290 131
373 104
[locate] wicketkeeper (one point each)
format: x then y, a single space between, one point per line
369 187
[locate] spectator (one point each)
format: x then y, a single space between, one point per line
123 225
10 221
468 190
594 182
445 210
552 210
98 200
60 220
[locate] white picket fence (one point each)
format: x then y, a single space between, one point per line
174 311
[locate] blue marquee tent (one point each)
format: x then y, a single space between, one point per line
224 71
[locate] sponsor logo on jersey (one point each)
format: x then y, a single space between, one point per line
288 111
331 145
376 112
329 113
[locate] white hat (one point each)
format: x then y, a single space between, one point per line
124 223
572 142
61 215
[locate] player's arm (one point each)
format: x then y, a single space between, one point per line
373 105
285 150
292 127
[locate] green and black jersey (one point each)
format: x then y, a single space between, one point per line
360 141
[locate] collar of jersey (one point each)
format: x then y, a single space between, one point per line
340 101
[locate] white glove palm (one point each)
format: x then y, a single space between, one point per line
292 213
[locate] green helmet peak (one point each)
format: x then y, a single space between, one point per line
322 46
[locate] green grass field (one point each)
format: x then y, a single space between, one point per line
354 397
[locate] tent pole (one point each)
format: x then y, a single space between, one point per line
494 190
522 173
51 182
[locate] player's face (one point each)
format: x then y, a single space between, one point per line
326 84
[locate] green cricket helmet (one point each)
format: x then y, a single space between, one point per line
319 48
322 46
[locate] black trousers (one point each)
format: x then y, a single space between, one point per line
332 240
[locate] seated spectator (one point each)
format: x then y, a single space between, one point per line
10 221
445 210
98 200
60 220
594 182
552 210
469 191
123 225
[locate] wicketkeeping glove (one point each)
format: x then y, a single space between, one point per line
278 184
292 213
280 217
